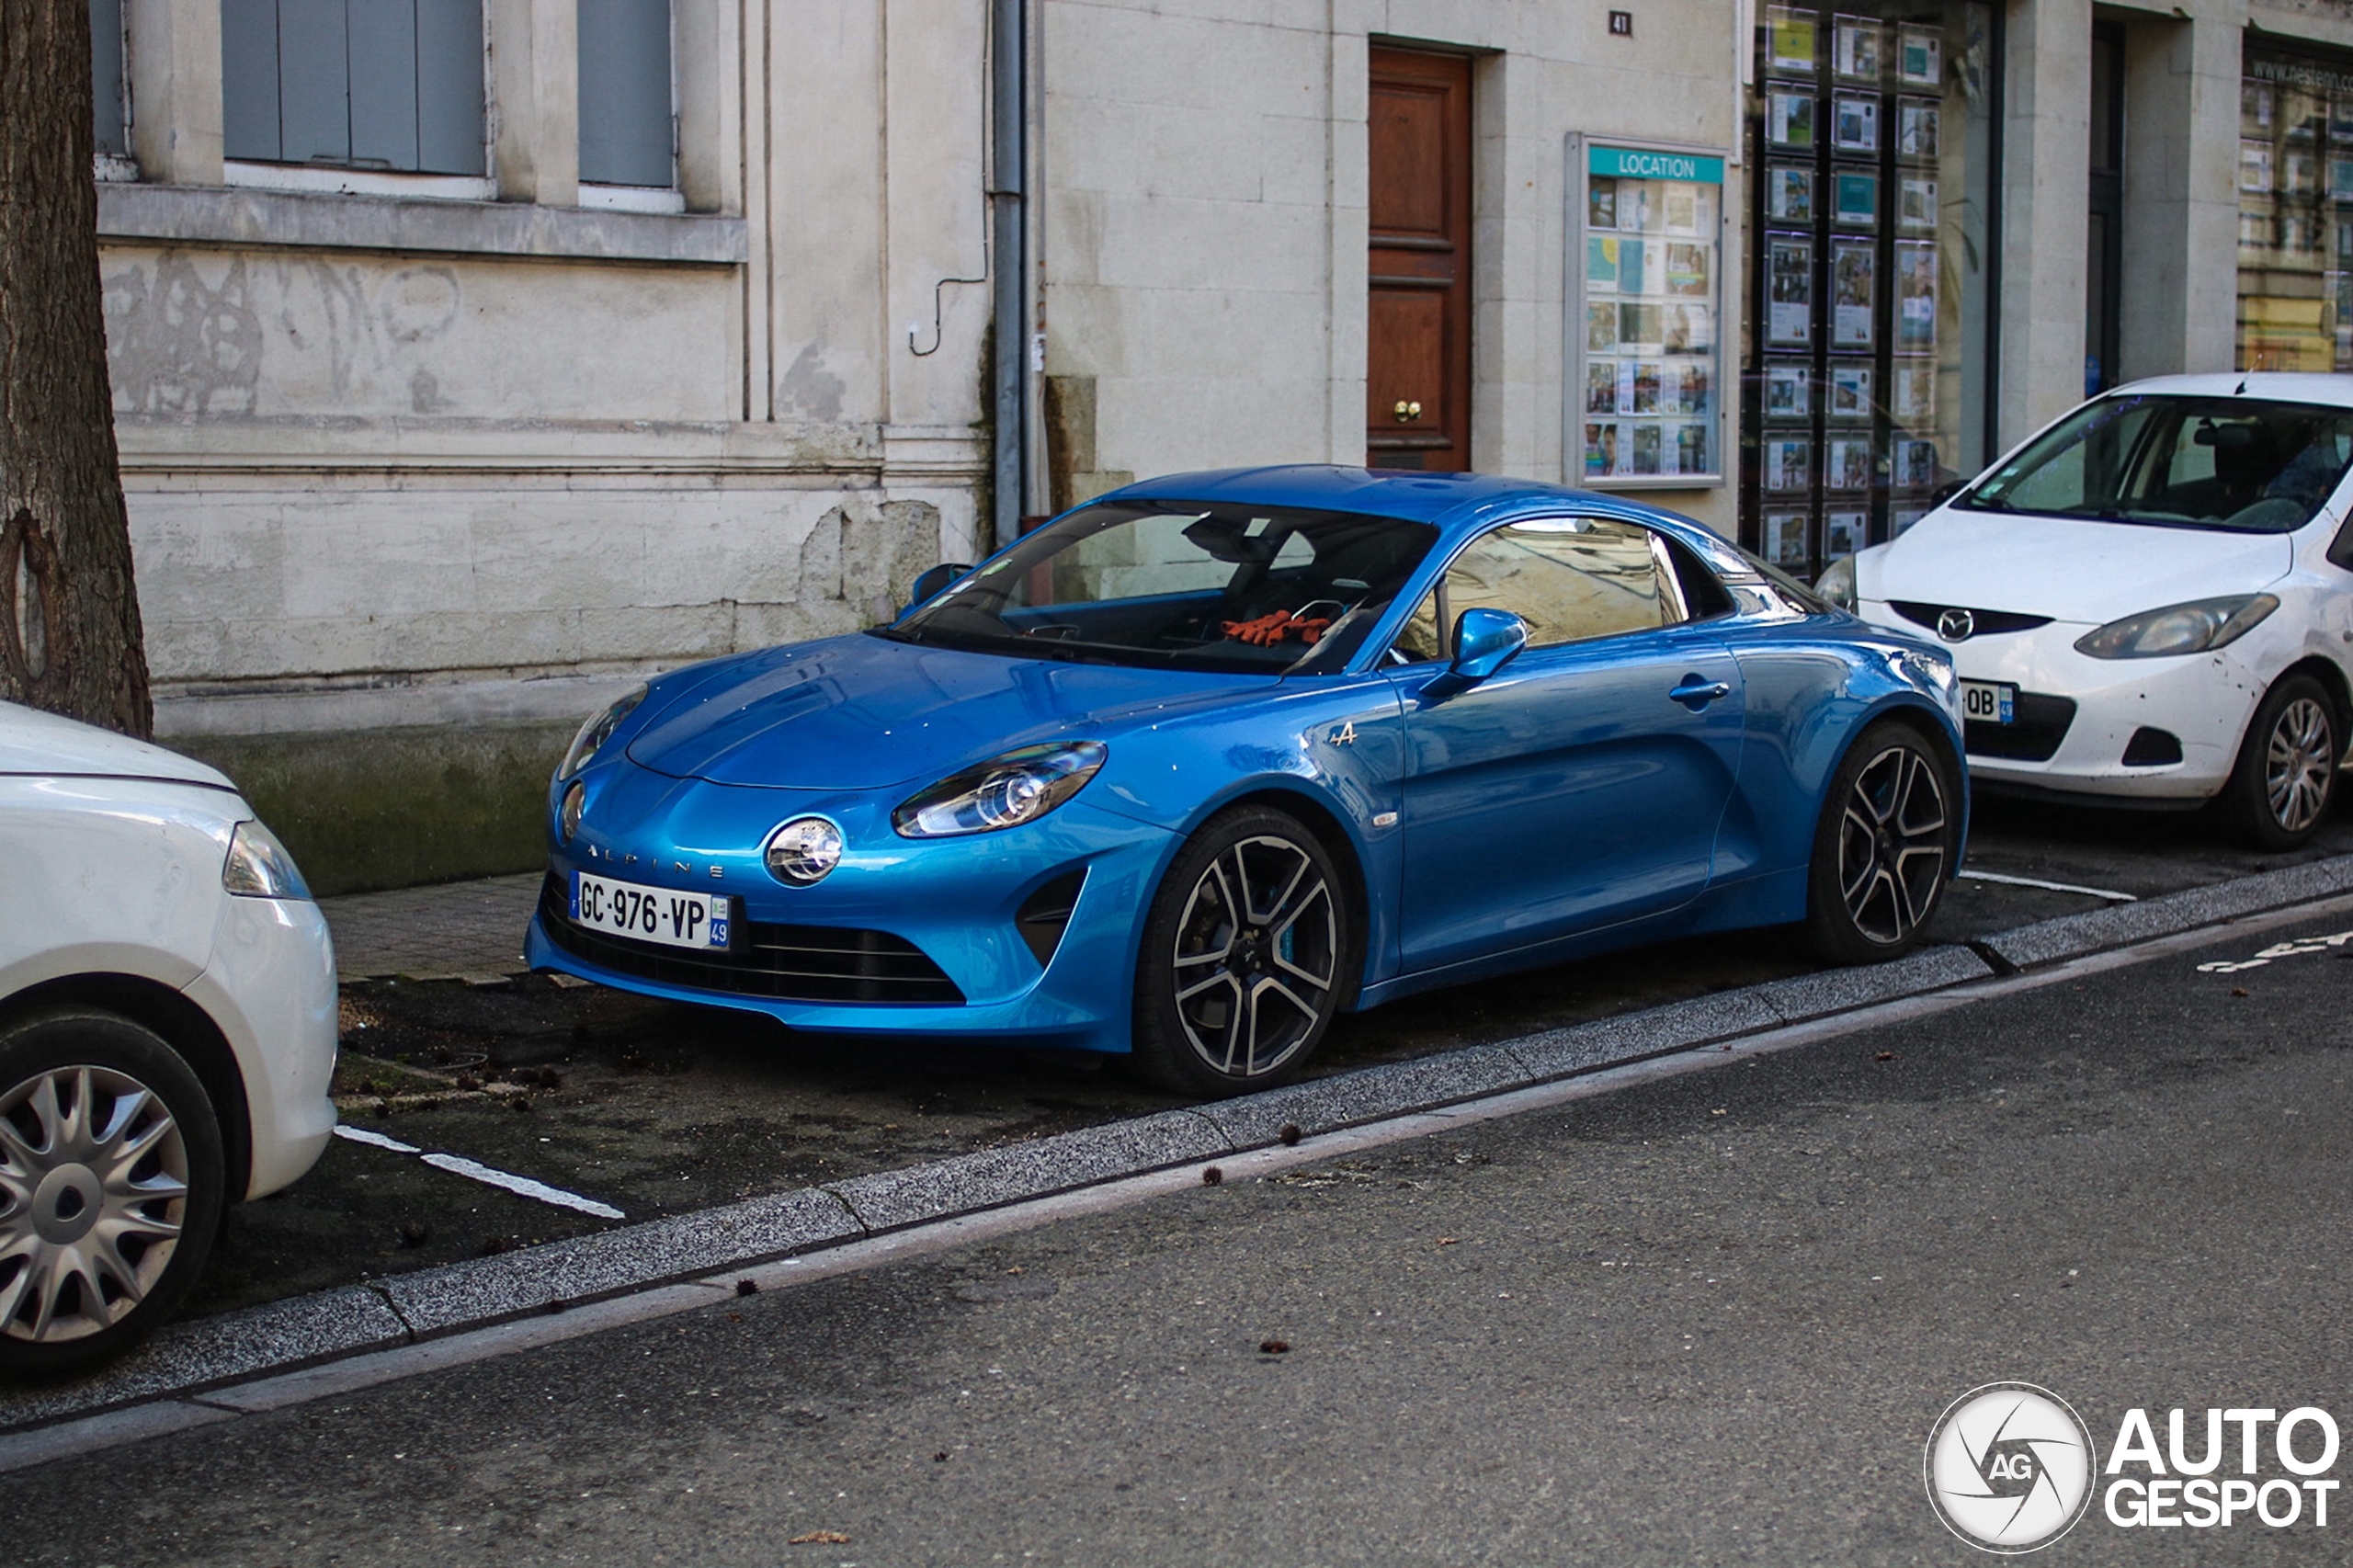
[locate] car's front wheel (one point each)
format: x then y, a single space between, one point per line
1883 847
111 1184
1246 955
2286 778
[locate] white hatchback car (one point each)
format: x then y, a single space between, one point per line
2152 601
167 1031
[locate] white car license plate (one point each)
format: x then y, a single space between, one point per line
1988 702
702 920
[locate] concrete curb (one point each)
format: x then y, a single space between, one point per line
2071 936
188 1359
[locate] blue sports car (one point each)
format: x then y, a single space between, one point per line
1203 762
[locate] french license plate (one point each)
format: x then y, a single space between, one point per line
1988 702
704 920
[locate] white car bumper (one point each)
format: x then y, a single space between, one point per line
271 989
2203 701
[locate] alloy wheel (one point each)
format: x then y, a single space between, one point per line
1256 957
94 1186
2296 765
1892 845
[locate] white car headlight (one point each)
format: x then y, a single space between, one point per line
259 867
2198 627
597 732
1836 584
1004 791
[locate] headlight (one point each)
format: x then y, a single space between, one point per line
1006 791
2198 627
803 850
1836 584
597 732
576 800
258 866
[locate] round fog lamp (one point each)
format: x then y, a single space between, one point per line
575 799
803 850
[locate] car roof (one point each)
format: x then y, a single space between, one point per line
1445 500
2274 386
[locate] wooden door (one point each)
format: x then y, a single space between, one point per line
1417 380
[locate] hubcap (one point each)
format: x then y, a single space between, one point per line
1892 845
2296 765
1256 954
92 1190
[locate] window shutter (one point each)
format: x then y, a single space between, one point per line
625 134
105 77
314 82
381 54
449 87
249 79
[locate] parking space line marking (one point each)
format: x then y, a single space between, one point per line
474 1170
375 1140
2054 887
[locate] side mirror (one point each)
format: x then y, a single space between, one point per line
932 581
1945 492
1484 642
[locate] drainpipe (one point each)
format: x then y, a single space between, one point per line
1008 161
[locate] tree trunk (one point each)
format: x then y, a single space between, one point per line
70 637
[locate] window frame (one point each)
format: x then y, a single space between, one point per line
316 176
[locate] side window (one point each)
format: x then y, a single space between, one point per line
1571 579
1424 636
390 85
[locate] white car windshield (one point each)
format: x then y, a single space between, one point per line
2235 463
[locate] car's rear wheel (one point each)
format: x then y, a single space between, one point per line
112 1186
2286 778
1883 849
1246 955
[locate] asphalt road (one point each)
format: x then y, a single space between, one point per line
1705 1319
656 1109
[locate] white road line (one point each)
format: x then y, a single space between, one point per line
474 1170
2054 887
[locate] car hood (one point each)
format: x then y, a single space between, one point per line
2065 568
860 712
37 742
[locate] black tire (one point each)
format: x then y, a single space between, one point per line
125 1211
1234 989
2281 792
1883 847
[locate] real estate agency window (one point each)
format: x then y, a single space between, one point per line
390 86
2295 303
627 104
1868 335
1645 356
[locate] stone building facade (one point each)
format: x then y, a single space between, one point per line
474 357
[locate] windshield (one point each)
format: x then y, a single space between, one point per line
2201 462
1257 589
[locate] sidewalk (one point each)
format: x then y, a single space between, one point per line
453 931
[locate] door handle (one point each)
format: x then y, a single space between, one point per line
1407 412
1697 692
